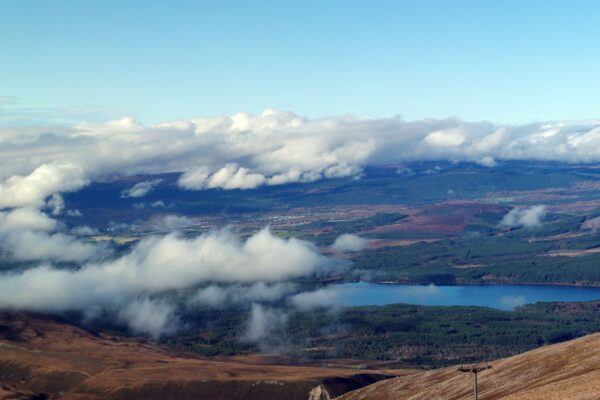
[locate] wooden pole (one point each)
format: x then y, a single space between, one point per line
474 370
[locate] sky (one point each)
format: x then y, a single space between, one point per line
502 61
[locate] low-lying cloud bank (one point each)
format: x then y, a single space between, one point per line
130 286
245 151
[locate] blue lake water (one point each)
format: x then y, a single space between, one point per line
503 297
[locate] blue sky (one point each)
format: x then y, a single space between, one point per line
504 61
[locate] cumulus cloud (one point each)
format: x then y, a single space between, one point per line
231 176
157 264
445 138
174 262
32 246
28 234
487 162
159 204
56 204
348 242
140 189
74 213
245 151
194 179
326 297
26 219
531 217
45 180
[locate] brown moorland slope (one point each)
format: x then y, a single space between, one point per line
564 371
43 357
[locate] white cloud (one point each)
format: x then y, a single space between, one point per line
26 234
245 151
32 246
194 179
25 219
531 217
327 297
74 213
231 176
56 204
175 262
348 242
445 138
487 162
148 316
262 292
43 181
221 296
262 322
140 189
156 264
214 296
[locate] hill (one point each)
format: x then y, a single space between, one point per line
43 357
569 370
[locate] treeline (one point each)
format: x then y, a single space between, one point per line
436 336
405 335
490 259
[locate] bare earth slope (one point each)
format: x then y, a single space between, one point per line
569 370
45 358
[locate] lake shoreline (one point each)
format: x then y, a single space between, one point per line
485 283
500 296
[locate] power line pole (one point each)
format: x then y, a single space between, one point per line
474 370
